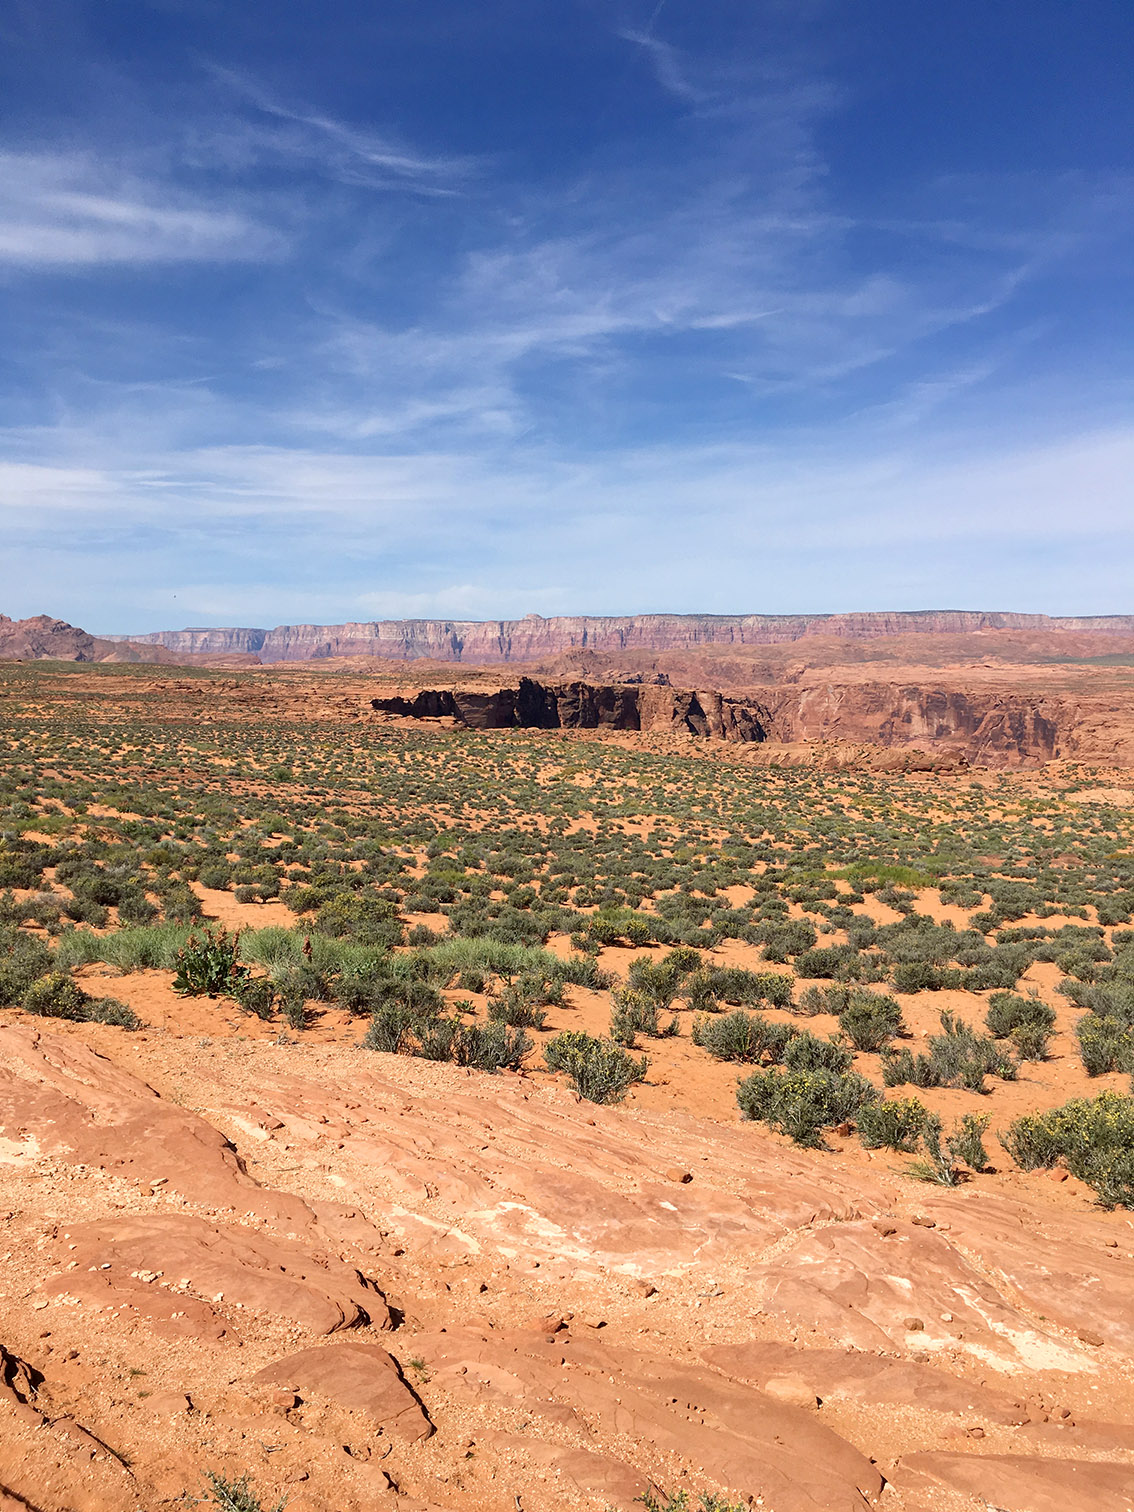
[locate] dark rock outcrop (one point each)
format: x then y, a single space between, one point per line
585 706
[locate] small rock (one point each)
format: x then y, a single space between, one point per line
792 1390
675 1173
283 1398
975 1432
594 1321
296 1476
644 1288
920 1357
1057 1175
1088 1336
923 1222
946 1317
913 1325
885 1228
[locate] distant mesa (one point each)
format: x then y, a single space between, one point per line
42 638
483 642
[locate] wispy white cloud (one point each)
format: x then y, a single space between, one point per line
667 65
60 210
281 131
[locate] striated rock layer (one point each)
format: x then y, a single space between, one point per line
534 637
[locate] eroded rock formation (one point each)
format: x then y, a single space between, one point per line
585 706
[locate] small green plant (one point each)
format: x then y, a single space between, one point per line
235 1495
678 1501
966 1142
938 1165
209 965
56 995
601 1071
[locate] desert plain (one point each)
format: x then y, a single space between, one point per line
410 1112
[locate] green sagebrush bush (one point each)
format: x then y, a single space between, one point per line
892 1123
23 959
957 1057
870 1020
1026 1021
635 1013
57 995
599 1070
741 1036
1095 1136
802 1103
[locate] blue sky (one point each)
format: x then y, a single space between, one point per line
336 310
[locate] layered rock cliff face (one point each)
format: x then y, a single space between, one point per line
586 706
533 637
984 729
42 638
990 728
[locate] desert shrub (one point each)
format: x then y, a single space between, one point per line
783 940
733 984
1024 1020
807 1052
656 981
963 1146
23 959
699 994
936 1163
490 1047
966 1142
925 976
1095 1136
517 1006
136 908
235 1495
742 1036
56 995
180 904
256 995
870 1020
801 1104
892 1123
1106 1043
111 1011
633 1014
209 965
957 1057
831 961
599 1070
363 917
833 999
678 1501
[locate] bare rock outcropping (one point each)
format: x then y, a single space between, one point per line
586 706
